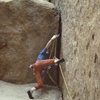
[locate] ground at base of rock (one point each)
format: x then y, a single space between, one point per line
10 91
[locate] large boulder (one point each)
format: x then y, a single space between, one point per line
25 28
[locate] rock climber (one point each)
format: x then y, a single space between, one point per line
41 62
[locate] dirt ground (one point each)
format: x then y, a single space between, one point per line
10 91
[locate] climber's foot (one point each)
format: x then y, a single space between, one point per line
60 61
30 94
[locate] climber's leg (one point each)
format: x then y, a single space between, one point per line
45 63
38 85
38 77
38 69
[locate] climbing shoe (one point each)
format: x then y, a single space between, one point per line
60 61
30 94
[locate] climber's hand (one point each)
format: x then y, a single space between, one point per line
55 36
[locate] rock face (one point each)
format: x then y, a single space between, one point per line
25 28
81 48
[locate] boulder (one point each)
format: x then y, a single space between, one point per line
25 28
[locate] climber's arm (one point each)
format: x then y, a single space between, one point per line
50 41
49 44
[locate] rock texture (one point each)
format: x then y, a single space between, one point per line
19 92
25 28
81 48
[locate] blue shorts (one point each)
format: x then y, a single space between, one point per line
43 55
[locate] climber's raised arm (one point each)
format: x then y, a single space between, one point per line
51 40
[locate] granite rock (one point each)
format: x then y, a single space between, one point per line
80 48
25 28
